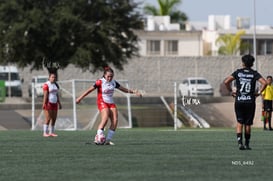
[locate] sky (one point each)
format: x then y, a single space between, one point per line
199 10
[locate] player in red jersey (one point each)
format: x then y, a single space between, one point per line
51 103
105 90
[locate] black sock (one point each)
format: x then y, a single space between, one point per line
247 137
239 138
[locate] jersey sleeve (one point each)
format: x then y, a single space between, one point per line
45 87
117 84
97 84
234 74
258 76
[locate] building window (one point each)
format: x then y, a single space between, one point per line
171 47
269 47
261 47
264 46
153 47
246 47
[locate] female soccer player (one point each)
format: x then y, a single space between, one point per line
245 97
105 90
51 101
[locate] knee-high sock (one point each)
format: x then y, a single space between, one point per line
239 138
110 134
247 138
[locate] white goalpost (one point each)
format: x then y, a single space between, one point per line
81 116
175 107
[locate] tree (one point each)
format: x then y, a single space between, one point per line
168 8
88 33
231 44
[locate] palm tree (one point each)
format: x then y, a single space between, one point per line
231 44
168 8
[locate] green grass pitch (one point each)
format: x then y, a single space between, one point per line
139 154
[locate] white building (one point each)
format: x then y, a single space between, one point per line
170 43
221 25
162 38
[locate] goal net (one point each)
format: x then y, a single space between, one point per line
81 116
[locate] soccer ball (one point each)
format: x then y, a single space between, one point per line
100 139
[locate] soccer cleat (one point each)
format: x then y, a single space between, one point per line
107 142
247 147
46 135
96 141
53 135
241 147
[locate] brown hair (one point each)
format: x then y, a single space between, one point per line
108 69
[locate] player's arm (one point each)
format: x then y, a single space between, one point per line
45 99
88 91
262 94
227 82
125 90
263 84
58 101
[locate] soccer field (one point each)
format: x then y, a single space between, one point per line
139 154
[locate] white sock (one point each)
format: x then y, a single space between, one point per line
45 128
99 131
110 134
52 130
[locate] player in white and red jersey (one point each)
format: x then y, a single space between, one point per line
51 103
105 91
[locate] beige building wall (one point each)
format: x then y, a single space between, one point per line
189 43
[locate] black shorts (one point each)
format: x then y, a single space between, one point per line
267 105
245 112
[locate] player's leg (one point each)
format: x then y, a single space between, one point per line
46 123
113 118
265 119
247 136
250 113
104 113
239 130
53 114
239 111
269 114
114 123
263 114
269 120
267 108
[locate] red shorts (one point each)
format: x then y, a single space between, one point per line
102 105
51 106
